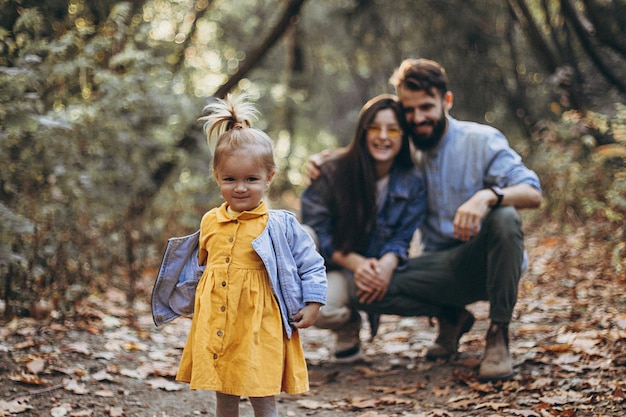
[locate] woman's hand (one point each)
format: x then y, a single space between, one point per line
373 276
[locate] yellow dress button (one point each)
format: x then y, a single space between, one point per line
227 260
223 283
220 333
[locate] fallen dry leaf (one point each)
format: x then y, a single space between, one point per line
103 375
540 383
469 362
393 400
358 402
79 347
81 413
557 348
103 393
15 406
493 405
314 405
74 386
28 379
482 387
463 404
167 385
116 412
24 345
61 410
134 346
369 372
36 366
524 413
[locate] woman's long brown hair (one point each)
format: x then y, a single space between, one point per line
354 179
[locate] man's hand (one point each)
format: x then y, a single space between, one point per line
469 216
312 165
315 161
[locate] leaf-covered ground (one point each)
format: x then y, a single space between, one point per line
568 342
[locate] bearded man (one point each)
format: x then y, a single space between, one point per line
472 237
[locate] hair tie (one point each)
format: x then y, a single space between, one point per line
240 125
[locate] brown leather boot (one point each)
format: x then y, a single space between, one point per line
497 364
453 323
348 342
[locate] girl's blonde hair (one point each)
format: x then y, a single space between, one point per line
230 119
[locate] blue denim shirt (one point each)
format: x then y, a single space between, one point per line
470 157
401 214
296 270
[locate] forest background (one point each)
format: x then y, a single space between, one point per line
103 158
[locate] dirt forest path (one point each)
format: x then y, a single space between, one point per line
568 343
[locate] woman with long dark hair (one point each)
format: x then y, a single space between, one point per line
364 209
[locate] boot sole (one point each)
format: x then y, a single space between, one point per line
355 355
500 378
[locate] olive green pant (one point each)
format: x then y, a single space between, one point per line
488 267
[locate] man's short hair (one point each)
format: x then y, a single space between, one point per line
420 75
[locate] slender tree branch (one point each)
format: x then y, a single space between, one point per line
289 15
200 10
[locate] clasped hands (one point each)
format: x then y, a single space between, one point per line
372 279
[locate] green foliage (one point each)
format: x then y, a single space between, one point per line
82 138
581 159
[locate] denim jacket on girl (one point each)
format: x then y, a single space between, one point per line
402 213
296 270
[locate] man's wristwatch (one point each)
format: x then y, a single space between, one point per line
498 192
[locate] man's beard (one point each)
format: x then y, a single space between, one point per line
428 142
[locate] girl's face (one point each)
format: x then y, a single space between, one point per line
242 181
384 137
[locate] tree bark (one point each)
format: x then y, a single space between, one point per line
603 30
539 45
570 14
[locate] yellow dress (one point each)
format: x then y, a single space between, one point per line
237 344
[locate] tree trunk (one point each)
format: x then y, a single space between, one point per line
538 44
579 27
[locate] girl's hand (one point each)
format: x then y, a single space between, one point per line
307 316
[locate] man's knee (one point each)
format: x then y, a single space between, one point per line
504 223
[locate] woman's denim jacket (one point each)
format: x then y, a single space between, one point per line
296 270
402 213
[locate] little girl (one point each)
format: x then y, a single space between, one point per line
263 279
